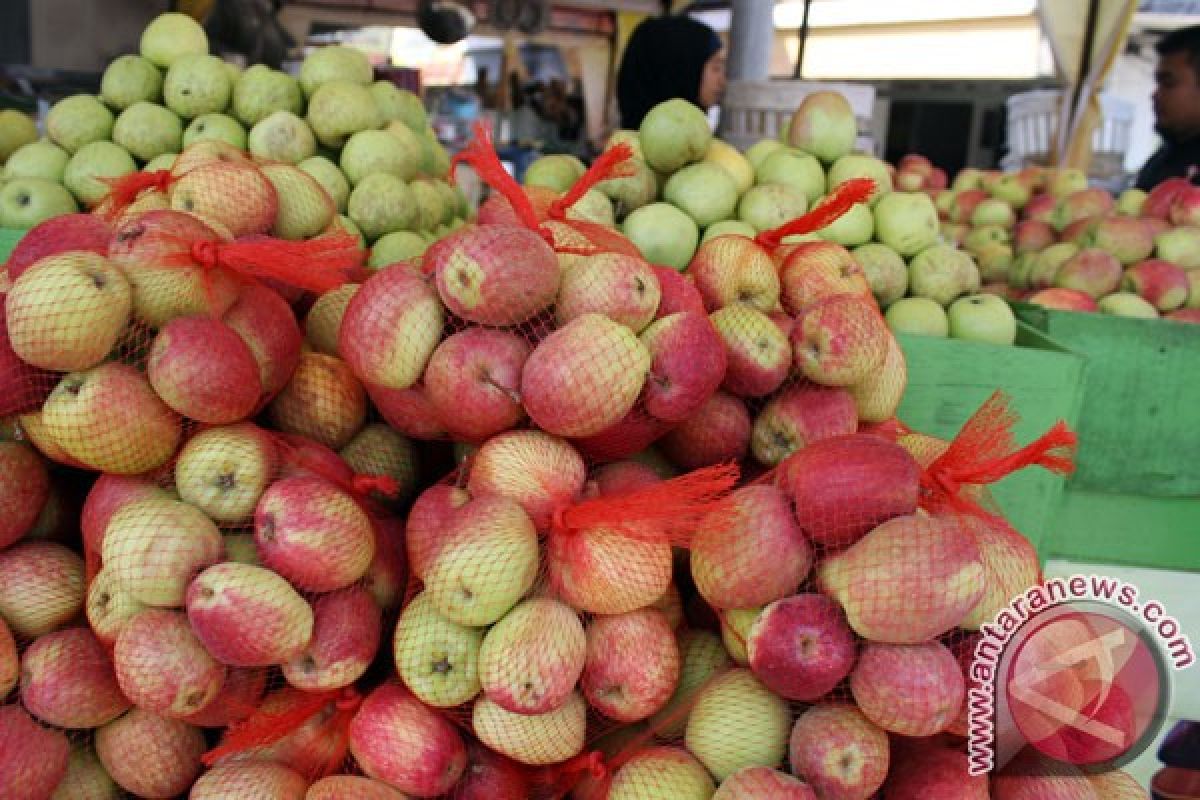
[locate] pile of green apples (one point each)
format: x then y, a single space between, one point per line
368 143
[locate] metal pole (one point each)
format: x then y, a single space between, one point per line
751 36
1072 117
802 40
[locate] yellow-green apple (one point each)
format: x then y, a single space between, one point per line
1131 202
584 377
877 397
1010 565
609 568
758 353
67 680
688 363
324 319
770 205
352 787
701 656
853 228
730 159
33 759
1082 204
1012 189
982 236
536 470
799 415
885 272
67 311
149 755
840 340
755 782
994 262
908 180
487 562
621 287
1063 300
735 630
1091 270
1127 304
110 606
1042 208
1127 238
304 208
734 269
839 752
428 524
533 739
391 327
202 368
1160 283
437 659
1048 262
943 201
347 626
933 563
800 647
857 165
557 172
162 666
250 778
672 134
1066 181
816 270
909 689
633 664
752 554
248 616
964 203
823 125
379 450
703 191
313 533
153 250
107 495
494 274
661 772
738 722
719 431
24 490
758 152
323 401
1032 236
941 273
994 211
239 697
223 471
268 326
472 381
235 194
1180 246
154 547
982 318
41 587
532 657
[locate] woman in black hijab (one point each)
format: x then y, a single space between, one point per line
669 57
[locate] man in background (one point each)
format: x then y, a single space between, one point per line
1176 109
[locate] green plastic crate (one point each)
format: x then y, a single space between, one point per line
948 380
1139 431
8 240
1135 530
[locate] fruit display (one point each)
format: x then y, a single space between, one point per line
546 507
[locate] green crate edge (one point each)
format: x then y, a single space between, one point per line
949 379
1140 407
1126 529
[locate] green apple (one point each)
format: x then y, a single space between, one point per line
793 168
16 130
381 152
983 236
437 659
851 229
147 130
994 211
771 205
759 151
557 172
729 227
91 164
703 191
982 318
737 722
159 162
330 177
305 209
24 202
595 207
197 84
823 125
170 37
1127 304
396 246
339 109
1012 189
40 159
220 127
674 134
336 63
261 91
380 204
661 773
856 165
1130 202
886 272
727 157
701 656
435 162
449 200
429 205
918 315
130 79
664 234
941 273
78 120
735 631
907 222
282 136
348 225
395 103
632 191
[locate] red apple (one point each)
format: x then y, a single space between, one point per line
1127 238
719 431
1159 282
353 787
24 489
531 659
323 401
840 340
965 203
58 235
816 270
839 752
1032 236
677 292
347 627
626 437
67 680
909 689
621 287
1031 776
41 587
1094 271
150 755
734 269
632 665
268 326
935 773
472 381
1162 197
539 472
239 697
687 364
250 778
801 647
408 411
203 369
428 523
1063 300
622 477
488 776
761 782
759 355
797 417
33 759
162 666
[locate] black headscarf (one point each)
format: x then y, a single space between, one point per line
664 59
